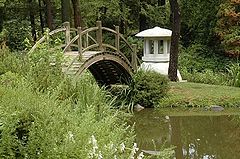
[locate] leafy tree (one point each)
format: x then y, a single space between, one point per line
1 13
228 26
198 22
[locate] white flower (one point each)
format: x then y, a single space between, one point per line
140 156
94 142
70 136
100 155
122 147
134 150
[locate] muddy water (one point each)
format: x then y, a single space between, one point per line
200 135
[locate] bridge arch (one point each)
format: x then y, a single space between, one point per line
108 68
87 49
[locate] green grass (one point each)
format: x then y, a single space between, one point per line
200 95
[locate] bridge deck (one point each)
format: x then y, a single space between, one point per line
76 64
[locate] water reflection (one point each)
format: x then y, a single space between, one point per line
207 137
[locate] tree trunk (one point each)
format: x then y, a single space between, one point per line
41 16
161 2
49 13
32 19
1 19
121 19
142 18
77 13
173 63
66 11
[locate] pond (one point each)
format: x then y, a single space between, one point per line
195 134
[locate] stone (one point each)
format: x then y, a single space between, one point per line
150 152
216 108
138 107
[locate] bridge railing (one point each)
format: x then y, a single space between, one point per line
92 38
84 45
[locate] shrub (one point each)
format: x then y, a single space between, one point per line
45 70
149 87
17 32
199 58
12 62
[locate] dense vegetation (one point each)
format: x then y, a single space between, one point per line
45 113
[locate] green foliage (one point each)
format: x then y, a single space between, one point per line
11 79
12 62
109 13
199 57
45 70
198 22
148 88
17 31
157 15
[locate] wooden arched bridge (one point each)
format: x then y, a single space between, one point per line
98 49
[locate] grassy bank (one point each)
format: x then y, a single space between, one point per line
200 95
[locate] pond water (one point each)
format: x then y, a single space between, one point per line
195 134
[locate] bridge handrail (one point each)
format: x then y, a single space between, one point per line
121 36
98 42
74 40
44 37
86 31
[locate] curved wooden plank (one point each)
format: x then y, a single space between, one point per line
73 29
57 31
110 30
89 30
44 37
70 43
106 56
109 46
90 47
92 39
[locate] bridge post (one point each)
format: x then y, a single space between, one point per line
80 42
99 35
134 57
67 34
117 38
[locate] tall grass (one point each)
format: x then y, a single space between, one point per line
231 77
39 126
234 74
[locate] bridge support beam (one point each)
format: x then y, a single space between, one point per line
117 39
134 57
99 35
67 34
80 42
